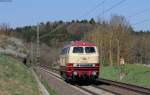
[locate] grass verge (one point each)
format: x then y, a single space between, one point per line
49 88
132 73
15 78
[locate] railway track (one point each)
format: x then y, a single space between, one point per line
129 87
117 88
80 87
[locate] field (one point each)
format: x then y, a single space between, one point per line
15 78
130 73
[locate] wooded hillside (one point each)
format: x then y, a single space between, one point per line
115 38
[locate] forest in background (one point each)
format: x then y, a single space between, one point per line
115 39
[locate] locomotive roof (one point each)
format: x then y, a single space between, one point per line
80 43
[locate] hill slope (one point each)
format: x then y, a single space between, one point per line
15 78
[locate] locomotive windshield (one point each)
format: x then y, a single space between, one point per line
78 50
89 50
84 49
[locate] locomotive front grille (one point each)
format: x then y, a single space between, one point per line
84 65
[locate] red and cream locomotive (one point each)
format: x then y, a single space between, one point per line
79 60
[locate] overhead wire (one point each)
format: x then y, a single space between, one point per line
113 6
140 22
87 13
140 12
105 11
117 4
93 9
59 26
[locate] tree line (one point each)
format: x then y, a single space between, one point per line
115 38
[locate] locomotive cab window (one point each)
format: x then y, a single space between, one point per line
65 51
78 50
90 50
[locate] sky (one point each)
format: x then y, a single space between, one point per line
18 13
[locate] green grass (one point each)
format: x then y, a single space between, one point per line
15 78
49 88
134 74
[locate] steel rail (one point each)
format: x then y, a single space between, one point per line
130 87
48 71
134 88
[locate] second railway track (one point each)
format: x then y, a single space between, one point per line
137 89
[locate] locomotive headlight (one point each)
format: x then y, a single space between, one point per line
93 65
94 73
75 65
74 73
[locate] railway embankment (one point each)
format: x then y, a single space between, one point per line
16 78
13 46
